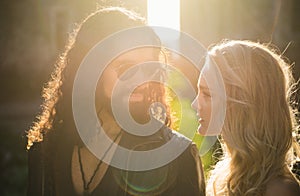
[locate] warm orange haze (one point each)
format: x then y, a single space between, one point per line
33 40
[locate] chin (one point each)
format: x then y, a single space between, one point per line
204 132
140 117
201 130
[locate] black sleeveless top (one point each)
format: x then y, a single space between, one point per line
50 170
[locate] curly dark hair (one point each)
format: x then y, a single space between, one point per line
56 109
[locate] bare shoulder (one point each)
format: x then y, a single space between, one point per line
283 186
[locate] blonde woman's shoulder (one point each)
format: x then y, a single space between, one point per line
283 187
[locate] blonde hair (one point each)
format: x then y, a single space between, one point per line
257 134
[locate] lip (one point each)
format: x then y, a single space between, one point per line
200 120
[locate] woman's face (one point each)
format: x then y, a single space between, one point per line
121 69
128 71
202 105
210 103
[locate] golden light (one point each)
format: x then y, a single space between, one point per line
164 13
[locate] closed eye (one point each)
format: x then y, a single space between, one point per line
205 93
124 72
129 73
123 67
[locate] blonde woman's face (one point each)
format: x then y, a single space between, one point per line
202 105
210 103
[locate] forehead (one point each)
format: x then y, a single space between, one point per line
138 55
209 73
211 79
202 81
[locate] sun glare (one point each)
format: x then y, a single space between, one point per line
164 13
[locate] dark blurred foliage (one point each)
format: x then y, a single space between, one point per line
13 164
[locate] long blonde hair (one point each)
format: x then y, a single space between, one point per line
257 134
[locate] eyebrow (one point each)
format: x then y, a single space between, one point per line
203 87
121 64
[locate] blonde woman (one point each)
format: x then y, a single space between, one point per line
249 84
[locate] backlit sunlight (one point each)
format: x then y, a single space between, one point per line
164 13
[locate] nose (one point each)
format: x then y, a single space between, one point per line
194 104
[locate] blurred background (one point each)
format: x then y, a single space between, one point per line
33 33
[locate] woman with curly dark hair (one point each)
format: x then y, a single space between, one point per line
66 160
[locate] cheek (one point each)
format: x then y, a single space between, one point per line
208 112
204 102
206 106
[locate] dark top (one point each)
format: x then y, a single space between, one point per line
50 170
283 186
